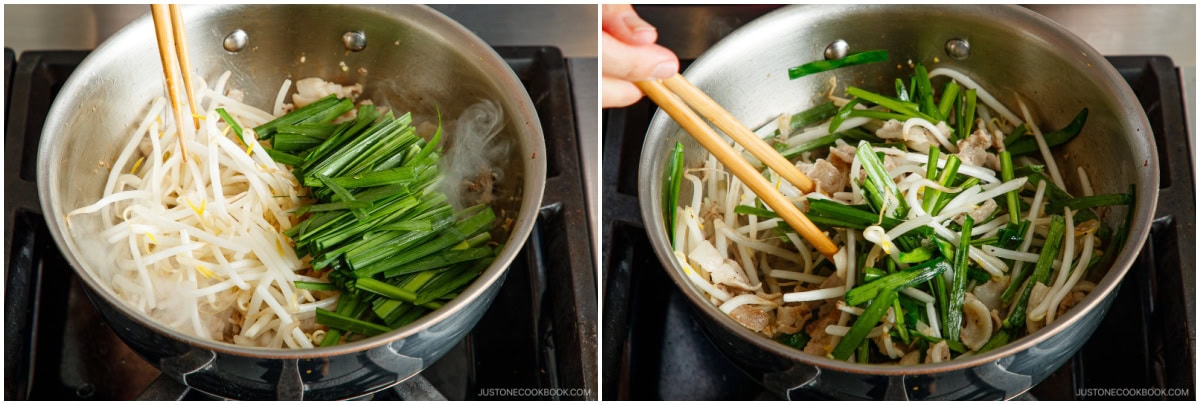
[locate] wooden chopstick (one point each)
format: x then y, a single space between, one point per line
694 125
708 108
166 50
185 63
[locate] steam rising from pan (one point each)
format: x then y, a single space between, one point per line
473 158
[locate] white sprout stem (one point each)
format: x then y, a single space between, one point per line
1015 255
696 190
115 197
748 265
917 294
815 295
966 204
990 264
914 204
823 130
796 276
695 235
1068 253
1041 142
988 227
680 231
1080 269
985 116
983 94
981 173
1085 183
209 214
841 331
908 226
918 180
856 311
851 259
283 91
839 262
937 133
804 252
933 320
908 168
760 226
745 299
756 245
710 178
1034 208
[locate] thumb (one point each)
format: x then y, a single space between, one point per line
623 23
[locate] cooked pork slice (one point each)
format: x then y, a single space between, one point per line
911 358
973 150
980 213
313 88
821 343
938 353
791 318
829 178
989 292
752 317
1073 298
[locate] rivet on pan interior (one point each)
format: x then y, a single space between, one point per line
958 48
236 41
837 50
354 40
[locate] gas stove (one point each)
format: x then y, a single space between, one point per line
540 333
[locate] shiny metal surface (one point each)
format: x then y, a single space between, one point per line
354 41
236 41
958 48
744 73
571 28
837 50
95 111
1112 29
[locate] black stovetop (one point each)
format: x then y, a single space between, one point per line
655 349
539 333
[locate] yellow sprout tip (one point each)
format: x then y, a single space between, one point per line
206 272
137 165
151 236
199 211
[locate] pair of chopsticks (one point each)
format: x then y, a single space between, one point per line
172 43
675 95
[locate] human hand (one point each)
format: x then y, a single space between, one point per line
630 55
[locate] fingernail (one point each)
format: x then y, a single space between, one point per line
663 71
636 24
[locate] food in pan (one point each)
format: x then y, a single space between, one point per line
328 223
956 231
